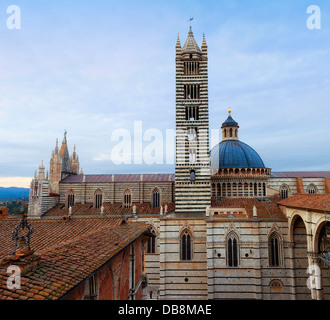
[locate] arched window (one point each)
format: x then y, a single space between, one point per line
70 199
312 189
91 289
276 286
192 176
232 250
35 193
151 245
284 191
98 199
192 155
156 198
275 250
127 199
186 246
192 134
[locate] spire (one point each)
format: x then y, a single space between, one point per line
178 43
204 45
64 144
56 147
64 139
41 174
191 45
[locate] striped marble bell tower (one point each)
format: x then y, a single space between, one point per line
192 171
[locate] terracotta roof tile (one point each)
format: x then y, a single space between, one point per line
265 209
325 174
128 178
109 209
70 252
319 202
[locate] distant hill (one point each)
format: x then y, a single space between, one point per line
14 193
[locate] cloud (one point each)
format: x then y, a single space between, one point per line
98 67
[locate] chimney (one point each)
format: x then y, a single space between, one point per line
22 256
300 186
327 185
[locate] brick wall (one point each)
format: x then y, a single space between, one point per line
113 278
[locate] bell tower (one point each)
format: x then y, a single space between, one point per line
192 170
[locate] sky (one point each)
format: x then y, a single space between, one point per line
95 67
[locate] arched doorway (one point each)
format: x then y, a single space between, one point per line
321 245
300 259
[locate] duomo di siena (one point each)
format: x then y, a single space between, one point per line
226 226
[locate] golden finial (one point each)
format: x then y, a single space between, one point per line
229 110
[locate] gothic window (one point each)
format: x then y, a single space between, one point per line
91 288
70 199
156 198
312 189
192 135
232 250
192 113
35 191
284 191
275 250
192 155
192 91
127 199
151 245
98 199
192 176
191 68
186 246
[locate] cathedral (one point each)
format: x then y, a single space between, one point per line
226 226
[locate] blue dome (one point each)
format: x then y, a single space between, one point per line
234 154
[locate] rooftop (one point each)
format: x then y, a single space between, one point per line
119 178
191 45
309 174
318 202
70 252
267 207
110 209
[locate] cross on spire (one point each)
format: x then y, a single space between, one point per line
190 19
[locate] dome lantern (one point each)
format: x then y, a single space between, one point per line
230 128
